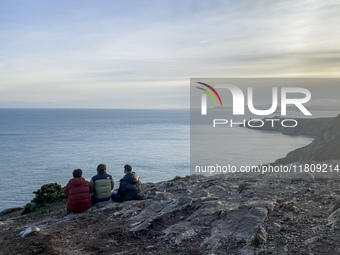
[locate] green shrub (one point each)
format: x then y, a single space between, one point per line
30 207
48 194
255 241
180 178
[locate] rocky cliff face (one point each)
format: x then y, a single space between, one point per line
223 214
307 127
326 146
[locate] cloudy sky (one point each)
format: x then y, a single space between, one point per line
142 54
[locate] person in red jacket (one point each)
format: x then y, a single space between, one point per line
78 191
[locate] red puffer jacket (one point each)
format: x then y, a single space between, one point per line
78 191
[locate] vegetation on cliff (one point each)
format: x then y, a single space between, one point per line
47 195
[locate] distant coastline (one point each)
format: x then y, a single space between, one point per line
324 147
305 127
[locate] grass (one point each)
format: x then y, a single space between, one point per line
187 177
255 241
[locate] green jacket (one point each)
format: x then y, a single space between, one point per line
101 185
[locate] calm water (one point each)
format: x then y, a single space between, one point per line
39 146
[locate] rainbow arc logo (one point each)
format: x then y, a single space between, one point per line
204 97
213 90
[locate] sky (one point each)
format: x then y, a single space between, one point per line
142 54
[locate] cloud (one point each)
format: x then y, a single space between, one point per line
70 49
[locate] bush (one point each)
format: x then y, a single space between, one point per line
48 194
30 207
255 241
179 178
187 177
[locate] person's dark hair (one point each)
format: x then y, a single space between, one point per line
101 167
128 168
77 173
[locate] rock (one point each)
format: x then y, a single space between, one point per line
262 234
180 232
11 210
259 211
162 196
201 193
164 185
286 217
334 206
319 228
127 211
334 219
311 241
28 231
215 189
326 146
243 186
269 205
276 227
177 205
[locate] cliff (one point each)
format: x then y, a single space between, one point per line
222 214
307 127
326 146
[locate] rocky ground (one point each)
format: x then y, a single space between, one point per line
223 214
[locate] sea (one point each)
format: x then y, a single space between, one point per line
40 146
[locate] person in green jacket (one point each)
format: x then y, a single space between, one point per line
101 185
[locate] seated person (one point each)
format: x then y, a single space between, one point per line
78 191
130 187
101 185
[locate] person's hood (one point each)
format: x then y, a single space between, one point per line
131 177
77 181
